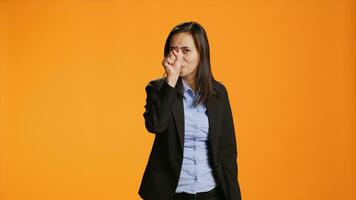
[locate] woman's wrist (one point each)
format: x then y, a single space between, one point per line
172 81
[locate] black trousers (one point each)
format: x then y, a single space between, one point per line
214 194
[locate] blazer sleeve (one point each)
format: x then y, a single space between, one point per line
230 147
159 102
229 152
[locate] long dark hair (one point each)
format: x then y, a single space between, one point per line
204 78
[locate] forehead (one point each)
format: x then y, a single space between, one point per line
183 39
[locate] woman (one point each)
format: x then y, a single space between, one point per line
194 152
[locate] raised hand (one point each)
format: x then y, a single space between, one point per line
172 64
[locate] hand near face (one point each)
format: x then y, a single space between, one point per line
172 63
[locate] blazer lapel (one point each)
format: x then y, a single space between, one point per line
212 116
178 114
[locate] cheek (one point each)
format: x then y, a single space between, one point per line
191 59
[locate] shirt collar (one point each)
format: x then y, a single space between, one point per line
186 87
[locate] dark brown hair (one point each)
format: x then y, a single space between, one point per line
204 77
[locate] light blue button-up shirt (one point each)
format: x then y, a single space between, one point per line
196 174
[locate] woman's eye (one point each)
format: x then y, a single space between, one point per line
186 50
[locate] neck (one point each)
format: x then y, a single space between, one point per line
190 82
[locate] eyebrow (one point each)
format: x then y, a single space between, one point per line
176 47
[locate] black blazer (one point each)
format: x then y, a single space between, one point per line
164 117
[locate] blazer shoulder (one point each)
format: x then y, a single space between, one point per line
155 84
220 87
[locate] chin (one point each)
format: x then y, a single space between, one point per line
182 75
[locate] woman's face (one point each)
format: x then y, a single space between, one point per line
190 54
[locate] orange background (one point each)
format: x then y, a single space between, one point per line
72 81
